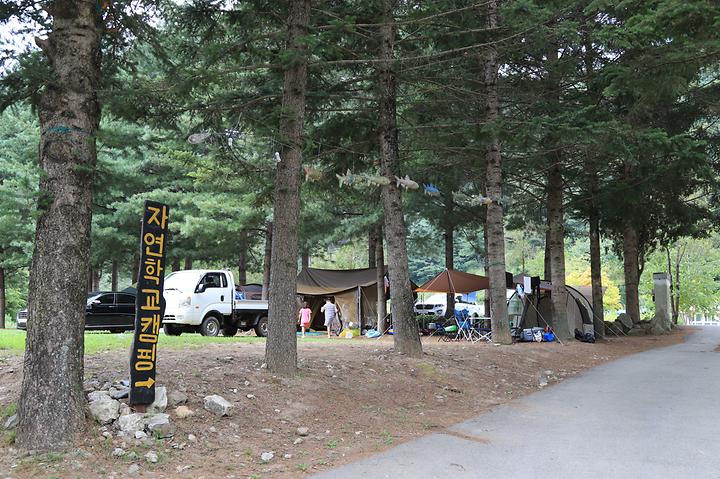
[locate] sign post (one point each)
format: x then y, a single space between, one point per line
149 305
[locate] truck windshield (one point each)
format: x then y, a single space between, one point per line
182 281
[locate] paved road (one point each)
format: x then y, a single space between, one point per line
650 415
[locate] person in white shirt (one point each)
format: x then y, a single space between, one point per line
331 315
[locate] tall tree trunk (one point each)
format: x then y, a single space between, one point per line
3 303
135 271
380 277
547 264
52 403
176 264
676 292
267 260
305 258
596 275
242 259
372 241
631 252
114 276
281 345
487 302
449 264
557 250
494 183
96 275
406 338
188 263
89 280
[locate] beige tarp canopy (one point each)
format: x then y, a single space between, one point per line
451 281
354 290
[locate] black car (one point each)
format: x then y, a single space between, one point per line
112 311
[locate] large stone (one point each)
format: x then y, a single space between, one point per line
175 398
119 393
105 410
625 320
218 405
637 332
161 426
97 395
132 422
161 401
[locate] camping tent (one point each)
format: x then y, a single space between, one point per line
451 281
537 311
354 290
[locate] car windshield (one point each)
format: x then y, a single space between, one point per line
182 280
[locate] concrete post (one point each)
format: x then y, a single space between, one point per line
661 291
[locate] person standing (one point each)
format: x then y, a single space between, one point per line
304 317
330 311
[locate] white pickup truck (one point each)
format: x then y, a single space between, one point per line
199 300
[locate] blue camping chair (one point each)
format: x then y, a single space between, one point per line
465 325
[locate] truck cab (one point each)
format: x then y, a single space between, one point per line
204 301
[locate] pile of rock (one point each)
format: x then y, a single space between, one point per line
624 326
106 408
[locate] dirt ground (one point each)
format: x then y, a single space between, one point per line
356 397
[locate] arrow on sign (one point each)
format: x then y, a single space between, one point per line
147 383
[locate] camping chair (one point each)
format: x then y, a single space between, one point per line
465 325
484 334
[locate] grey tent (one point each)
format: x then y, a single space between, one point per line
354 290
534 311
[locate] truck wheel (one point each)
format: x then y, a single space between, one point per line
261 327
210 326
172 329
230 331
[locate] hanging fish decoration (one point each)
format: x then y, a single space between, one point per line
375 180
348 178
475 200
431 190
312 173
197 138
406 183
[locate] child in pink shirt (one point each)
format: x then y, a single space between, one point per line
304 317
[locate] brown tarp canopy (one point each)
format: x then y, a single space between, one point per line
354 290
451 281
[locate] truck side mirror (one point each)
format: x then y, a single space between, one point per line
200 288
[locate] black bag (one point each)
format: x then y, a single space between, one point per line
585 338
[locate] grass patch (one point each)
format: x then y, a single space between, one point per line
8 410
13 341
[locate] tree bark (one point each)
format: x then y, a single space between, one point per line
52 403
380 277
494 183
631 252
3 303
449 264
135 268
305 258
281 344
267 260
557 250
114 276
188 263
176 264
372 241
242 259
406 338
96 275
547 264
596 275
